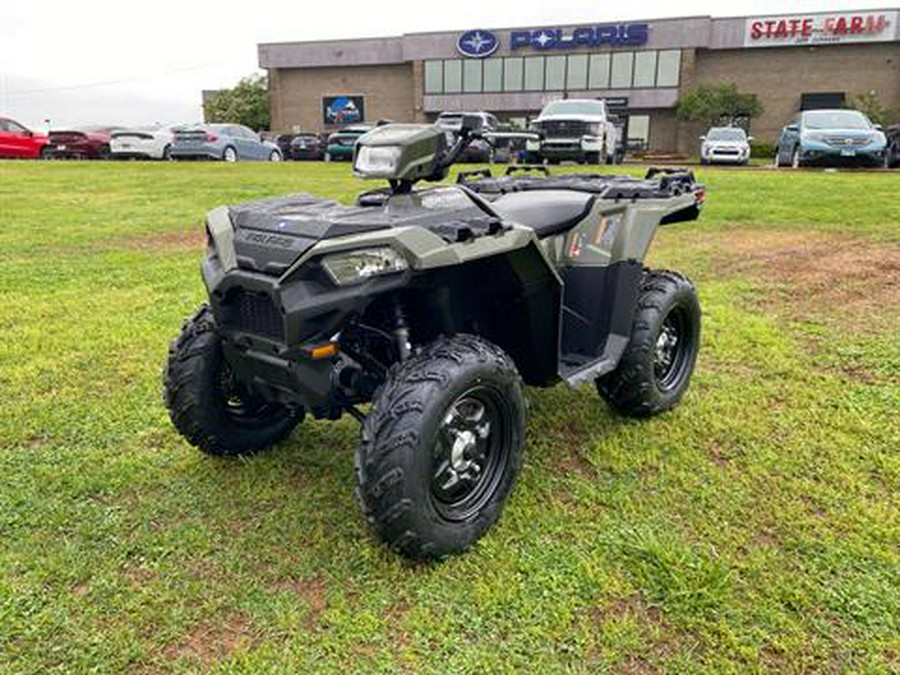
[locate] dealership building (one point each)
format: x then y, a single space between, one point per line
641 68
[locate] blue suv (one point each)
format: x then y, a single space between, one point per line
831 136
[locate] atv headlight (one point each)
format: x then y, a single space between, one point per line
356 266
377 160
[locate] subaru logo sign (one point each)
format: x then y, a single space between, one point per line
477 43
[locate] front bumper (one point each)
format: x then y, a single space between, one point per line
267 326
306 154
340 151
569 148
726 157
825 154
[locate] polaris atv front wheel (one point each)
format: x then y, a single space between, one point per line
442 447
208 405
656 368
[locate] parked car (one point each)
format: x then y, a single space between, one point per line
574 129
19 142
142 143
831 136
452 121
283 141
228 142
478 150
81 142
308 146
341 143
725 145
893 149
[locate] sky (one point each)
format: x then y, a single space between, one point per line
103 62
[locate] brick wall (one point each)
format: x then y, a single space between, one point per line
296 93
780 75
777 75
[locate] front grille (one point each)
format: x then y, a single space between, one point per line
254 313
847 142
564 128
550 146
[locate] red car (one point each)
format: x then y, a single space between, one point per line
18 142
84 143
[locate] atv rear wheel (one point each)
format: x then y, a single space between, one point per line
656 368
442 447
207 404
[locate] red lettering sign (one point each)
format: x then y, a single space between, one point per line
830 27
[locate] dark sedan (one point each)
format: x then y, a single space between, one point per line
308 146
80 143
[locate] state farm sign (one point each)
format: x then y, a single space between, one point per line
820 29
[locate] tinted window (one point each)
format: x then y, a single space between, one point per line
493 75
434 77
556 72
576 78
598 75
453 76
645 69
472 75
534 73
512 74
621 70
668 68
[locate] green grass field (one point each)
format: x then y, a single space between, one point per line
756 528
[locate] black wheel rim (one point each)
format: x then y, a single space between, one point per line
470 453
671 357
240 405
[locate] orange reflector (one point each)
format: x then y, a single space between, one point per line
325 351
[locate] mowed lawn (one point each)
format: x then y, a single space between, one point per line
756 528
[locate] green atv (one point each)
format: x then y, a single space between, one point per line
436 306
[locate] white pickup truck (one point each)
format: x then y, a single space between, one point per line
574 129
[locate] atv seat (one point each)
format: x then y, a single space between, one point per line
547 212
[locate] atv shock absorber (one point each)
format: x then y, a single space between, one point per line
401 332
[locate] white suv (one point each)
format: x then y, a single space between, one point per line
574 129
725 145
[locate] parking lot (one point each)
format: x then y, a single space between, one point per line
754 527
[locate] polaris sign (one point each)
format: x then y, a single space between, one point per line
619 35
477 43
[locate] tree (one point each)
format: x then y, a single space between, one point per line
247 103
871 106
718 104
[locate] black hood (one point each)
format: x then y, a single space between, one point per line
270 234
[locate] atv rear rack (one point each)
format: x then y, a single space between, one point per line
656 184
